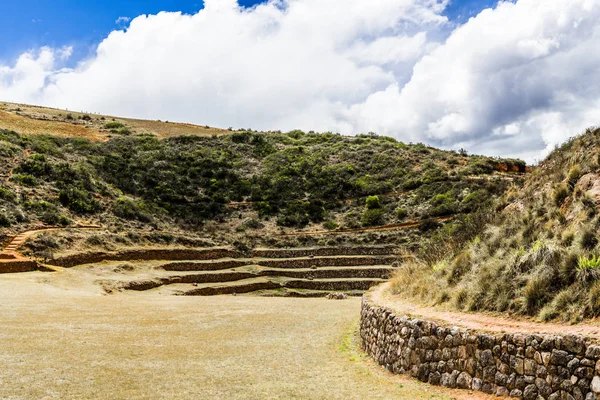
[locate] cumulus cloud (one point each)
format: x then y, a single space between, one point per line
513 80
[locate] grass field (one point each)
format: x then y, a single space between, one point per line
61 338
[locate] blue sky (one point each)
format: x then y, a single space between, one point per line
30 24
348 66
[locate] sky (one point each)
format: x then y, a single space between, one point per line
510 78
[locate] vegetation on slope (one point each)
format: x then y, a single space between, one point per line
539 256
245 181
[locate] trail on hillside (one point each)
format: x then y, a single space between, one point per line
480 321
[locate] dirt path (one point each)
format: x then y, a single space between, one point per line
404 225
481 321
64 340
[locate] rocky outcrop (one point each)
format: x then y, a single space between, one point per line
530 367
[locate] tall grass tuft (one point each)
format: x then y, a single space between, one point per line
588 269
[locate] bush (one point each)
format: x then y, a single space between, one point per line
559 304
560 194
460 266
371 217
535 293
373 202
24 179
78 201
588 240
132 210
568 268
588 269
5 220
330 225
113 125
574 175
7 194
401 213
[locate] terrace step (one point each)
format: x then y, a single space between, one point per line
212 289
381 272
378 271
334 284
323 251
304 293
330 261
288 263
267 283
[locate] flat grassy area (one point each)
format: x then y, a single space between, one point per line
60 339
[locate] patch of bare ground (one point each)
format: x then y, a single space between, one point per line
64 340
485 322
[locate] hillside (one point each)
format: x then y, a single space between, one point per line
538 257
247 188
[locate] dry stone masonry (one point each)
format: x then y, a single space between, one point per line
531 367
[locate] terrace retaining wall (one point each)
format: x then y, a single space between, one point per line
524 366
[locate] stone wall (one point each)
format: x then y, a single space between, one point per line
528 366
325 251
12 266
143 254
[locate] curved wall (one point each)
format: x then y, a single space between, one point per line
528 366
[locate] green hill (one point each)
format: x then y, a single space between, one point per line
539 256
244 187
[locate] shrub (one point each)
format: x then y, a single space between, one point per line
568 268
560 194
5 220
459 267
558 305
113 125
593 301
7 194
535 293
330 225
401 213
371 217
588 269
78 200
131 209
122 131
24 179
373 202
588 240
574 175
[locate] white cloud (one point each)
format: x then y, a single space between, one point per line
513 80
122 20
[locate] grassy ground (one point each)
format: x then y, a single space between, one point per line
62 339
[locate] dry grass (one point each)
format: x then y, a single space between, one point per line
63 339
34 120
